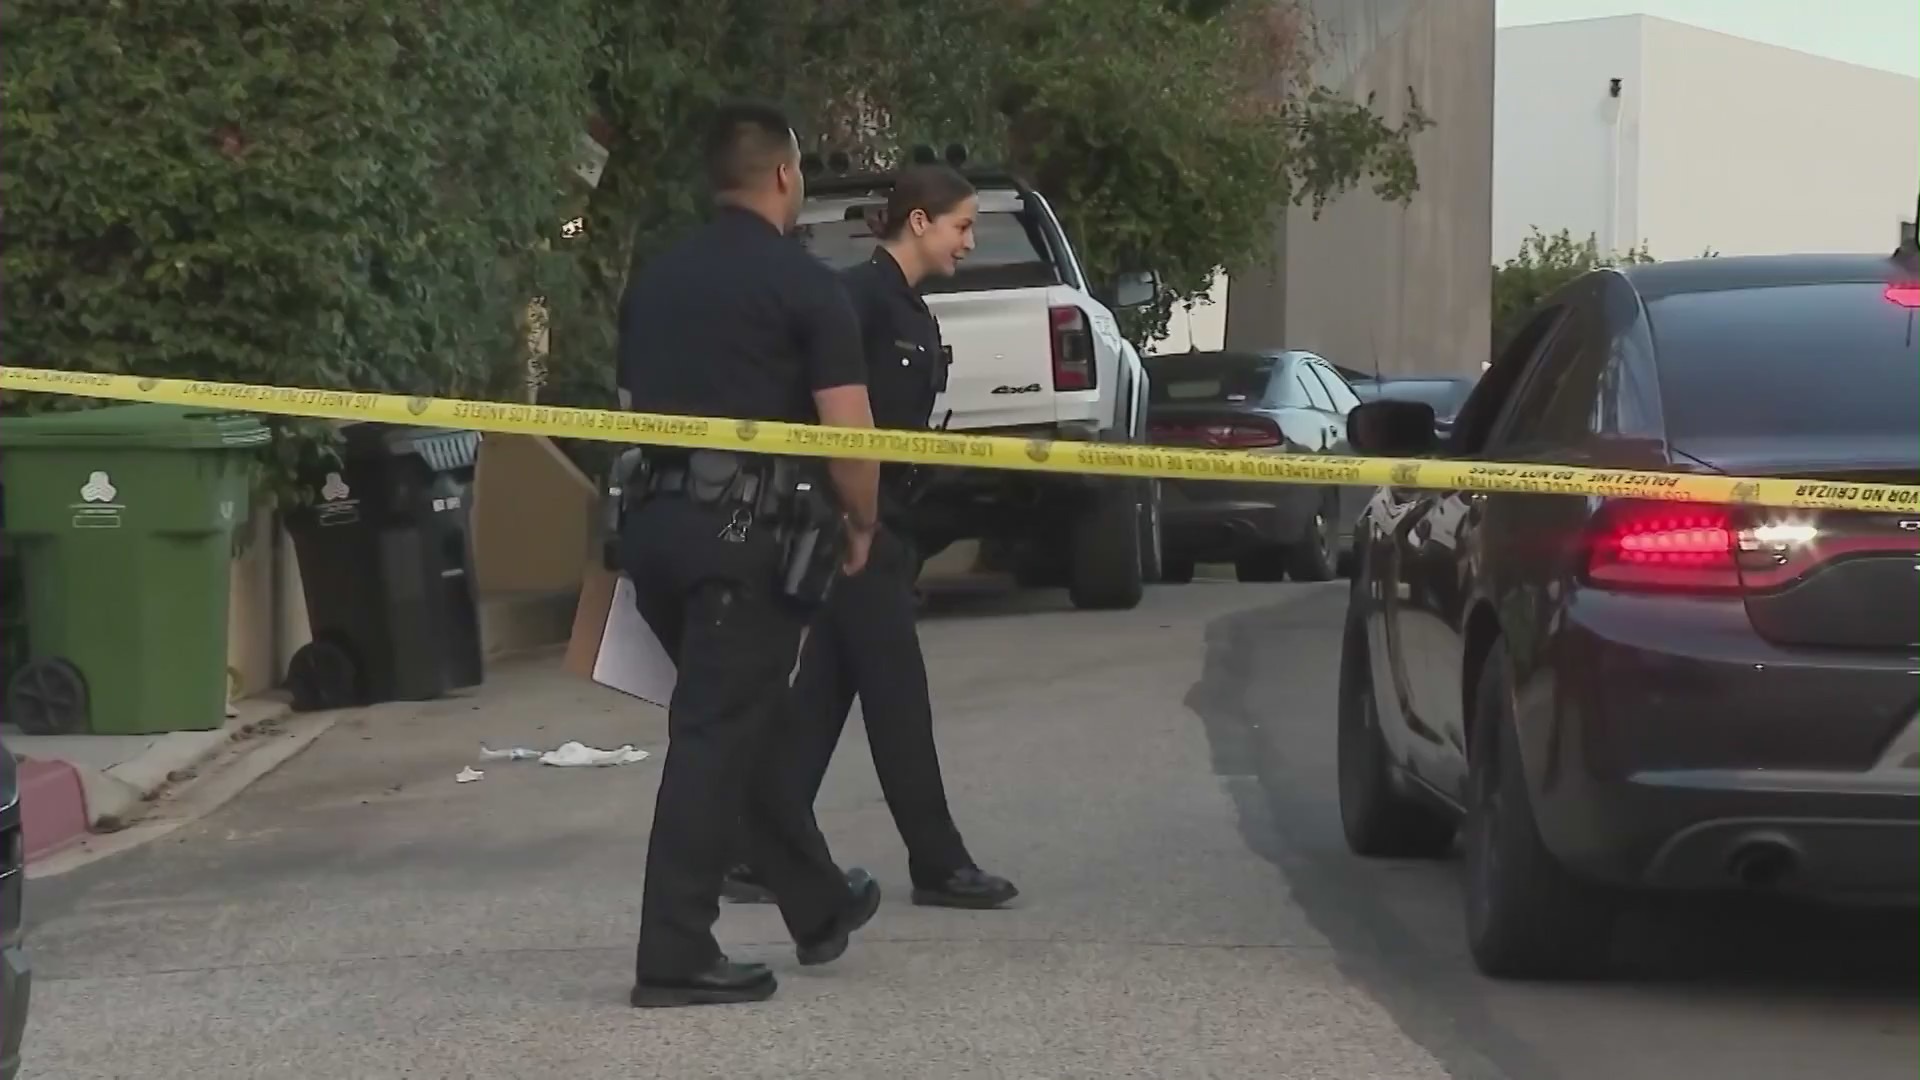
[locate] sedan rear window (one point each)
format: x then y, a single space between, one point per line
1180 380
1800 360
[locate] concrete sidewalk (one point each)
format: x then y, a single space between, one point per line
72 786
77 786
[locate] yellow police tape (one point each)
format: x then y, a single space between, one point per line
969 451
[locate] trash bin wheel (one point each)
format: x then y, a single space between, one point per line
322 675
48 696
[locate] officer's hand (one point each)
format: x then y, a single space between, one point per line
859 547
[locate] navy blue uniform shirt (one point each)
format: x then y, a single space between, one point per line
736 320
906 365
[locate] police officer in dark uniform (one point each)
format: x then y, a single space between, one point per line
736 320
865 642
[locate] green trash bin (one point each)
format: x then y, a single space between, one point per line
122 519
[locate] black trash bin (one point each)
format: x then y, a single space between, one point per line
387 570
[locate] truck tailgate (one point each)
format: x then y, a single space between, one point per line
1002 374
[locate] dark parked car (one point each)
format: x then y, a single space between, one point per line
15 973
1605 695
1287 402
1445 394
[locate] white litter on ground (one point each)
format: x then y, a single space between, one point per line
467 775
570 755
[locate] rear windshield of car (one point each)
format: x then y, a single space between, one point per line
1445 395
1180 380
1800 360
1007 253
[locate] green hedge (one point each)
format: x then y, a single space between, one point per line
331 193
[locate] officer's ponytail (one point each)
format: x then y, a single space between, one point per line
932 189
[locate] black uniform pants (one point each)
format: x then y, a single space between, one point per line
864 642
729 759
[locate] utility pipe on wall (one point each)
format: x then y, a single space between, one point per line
1613 167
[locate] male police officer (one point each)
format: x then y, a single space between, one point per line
736 321
865 642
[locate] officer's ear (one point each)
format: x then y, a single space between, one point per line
919 221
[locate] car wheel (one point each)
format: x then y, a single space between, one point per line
322 675
1379 820
1103 561
1261 566
49 696
1177 570
1316 555
1527 916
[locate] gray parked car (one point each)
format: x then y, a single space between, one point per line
1282 402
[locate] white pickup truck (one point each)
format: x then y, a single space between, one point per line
1034 355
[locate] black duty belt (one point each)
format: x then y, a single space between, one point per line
711 477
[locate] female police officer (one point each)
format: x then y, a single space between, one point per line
864 642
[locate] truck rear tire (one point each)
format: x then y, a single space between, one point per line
1104 571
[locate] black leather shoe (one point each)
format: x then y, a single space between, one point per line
743 886
725 983
863 899
970 887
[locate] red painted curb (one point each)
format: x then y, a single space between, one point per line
53 806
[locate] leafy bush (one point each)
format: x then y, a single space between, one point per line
326 193
1166 133
1543 264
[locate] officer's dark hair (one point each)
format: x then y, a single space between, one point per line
745 140
931 189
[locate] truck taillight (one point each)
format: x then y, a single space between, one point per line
1073 367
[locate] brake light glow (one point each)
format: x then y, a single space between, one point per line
1686 547
1073 367
1654 545
1246 433
1906 295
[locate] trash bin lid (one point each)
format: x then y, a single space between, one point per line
443 449
162 427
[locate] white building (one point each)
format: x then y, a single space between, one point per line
1639 129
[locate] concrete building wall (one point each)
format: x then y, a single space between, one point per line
1722 143
1379 286
1566 153
1753 149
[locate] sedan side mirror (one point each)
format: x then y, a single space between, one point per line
1136 289
1394 429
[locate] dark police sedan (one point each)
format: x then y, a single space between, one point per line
1603 695
1444 392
